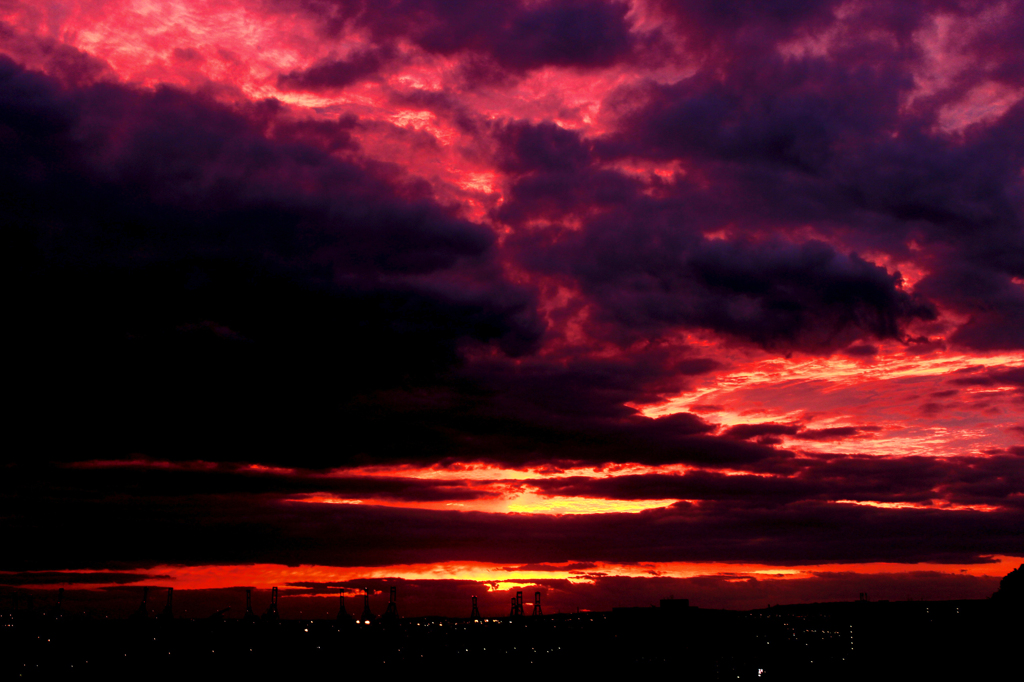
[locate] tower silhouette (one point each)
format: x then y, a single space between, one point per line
367 616
536 604
142 612
250 615
475 615
168 614
343 615
271 613
391 614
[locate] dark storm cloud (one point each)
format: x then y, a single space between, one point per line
332 136
993 480
765 114
707 19
195 174
74 578
695 485
335 74
644 261
193 284
525 148
993 301
861 351
836 433
112 530
555 174
186 479
516 36
782 141
578 566
222 310
964 480
772 143
70 66
752 431
994 377
509 432
558 410
779 295
748 431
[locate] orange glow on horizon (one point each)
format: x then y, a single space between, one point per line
497 577
512 503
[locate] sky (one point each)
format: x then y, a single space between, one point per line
613 301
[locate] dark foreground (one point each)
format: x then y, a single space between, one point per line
841 641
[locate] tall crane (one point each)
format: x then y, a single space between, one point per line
367 616
168 614
390 616
142 612
250 615
343 615
271 612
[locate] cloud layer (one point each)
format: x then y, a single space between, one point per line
370 284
